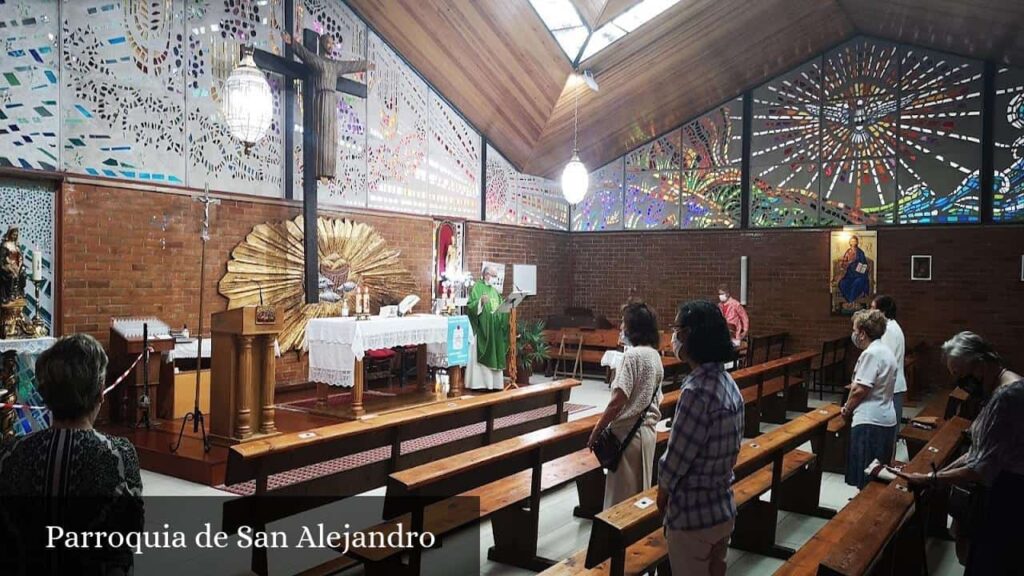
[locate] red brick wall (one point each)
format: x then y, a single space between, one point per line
976 284
132 252
510 245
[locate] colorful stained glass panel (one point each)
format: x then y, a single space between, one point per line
601 208
786 119
711 198
784 196
652 185
715 139
1008 196
858 191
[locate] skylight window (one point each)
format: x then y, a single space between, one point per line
562 19
564 22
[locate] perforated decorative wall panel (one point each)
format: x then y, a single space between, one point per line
122 89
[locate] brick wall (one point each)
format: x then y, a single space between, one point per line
510 245
134 252
976 286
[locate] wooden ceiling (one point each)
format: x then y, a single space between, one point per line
985 29
496 61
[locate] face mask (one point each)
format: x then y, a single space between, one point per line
971 384
723 297
677 346
856 340
624 339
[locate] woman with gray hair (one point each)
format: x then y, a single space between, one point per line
992 470
93 478
869 408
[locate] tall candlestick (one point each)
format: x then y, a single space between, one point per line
37 265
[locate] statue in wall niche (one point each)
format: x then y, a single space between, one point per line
326 72
12 268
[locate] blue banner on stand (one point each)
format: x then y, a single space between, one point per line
458 340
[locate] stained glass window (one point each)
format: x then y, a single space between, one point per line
540 204
711 178
1008 193
601 208
895 133
784 195
652 184
940 137
502 185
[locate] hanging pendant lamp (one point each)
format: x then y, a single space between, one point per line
575 179
248 102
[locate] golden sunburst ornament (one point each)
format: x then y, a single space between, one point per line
271 259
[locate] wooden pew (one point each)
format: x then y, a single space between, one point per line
941 406
829 369
595 342
486 473
874 532
764 348
771 388
628 539
258 460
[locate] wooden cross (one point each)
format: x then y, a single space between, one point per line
293 70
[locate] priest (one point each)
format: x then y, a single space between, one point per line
491 330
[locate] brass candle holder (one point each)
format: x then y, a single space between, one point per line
37 327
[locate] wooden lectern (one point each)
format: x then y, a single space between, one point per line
242 374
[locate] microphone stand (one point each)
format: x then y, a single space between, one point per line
196 415
144 402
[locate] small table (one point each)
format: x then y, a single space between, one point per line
337 347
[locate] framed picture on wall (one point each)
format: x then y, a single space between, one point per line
921 268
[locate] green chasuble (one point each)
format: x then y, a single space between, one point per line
490 326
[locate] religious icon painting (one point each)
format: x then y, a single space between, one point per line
853 257
921 268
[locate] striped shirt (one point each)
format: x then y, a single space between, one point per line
696 469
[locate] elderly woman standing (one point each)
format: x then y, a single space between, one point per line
993 468
636 400
695 475
93 478
869 408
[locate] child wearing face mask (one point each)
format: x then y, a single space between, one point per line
869 408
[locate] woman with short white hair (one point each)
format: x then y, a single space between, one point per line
869 408
990 476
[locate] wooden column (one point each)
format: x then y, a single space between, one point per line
455 377
267 425
357 389
243 419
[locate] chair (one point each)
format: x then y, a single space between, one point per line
378 365
570 346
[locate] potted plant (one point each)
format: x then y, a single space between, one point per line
531 349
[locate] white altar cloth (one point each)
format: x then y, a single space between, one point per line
27 346
336 343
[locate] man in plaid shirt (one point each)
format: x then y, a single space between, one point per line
695 474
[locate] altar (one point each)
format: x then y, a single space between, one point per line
337 347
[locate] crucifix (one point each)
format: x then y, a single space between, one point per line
319 110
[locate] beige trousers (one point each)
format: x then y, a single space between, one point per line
633 475
699 552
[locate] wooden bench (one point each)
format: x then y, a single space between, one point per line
628 539
881 530
761 349
942 406
259 460
503 476
771 388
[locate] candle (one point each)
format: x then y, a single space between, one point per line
37 266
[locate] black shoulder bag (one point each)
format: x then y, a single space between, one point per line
607 447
